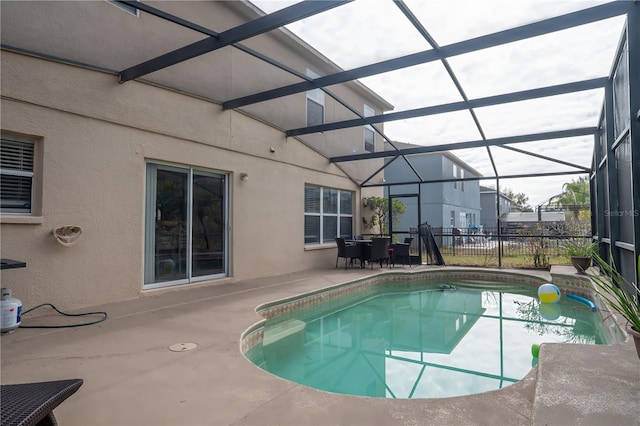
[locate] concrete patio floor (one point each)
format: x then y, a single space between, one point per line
132 378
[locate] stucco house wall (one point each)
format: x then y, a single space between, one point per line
95 136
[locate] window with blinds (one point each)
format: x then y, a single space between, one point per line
328 213
16 170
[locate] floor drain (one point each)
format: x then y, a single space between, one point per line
182 347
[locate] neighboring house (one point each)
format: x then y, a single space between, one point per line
167 186
489 207
448 204
514 221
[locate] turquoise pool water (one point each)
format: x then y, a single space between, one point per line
433 341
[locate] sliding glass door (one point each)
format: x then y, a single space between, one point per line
185 225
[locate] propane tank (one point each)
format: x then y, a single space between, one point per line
11 309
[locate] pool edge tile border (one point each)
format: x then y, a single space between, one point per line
567 283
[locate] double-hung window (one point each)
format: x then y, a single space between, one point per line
185 225
455 175
369 135
463 220
458 172
328 213
315 103
16 174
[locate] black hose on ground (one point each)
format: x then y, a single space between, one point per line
65 314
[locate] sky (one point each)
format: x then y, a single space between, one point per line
368 31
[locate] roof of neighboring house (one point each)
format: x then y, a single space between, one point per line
449 155
489 190
532 217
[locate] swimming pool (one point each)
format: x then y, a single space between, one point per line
417 336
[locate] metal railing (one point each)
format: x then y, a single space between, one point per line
534 245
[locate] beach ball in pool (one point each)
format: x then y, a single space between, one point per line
549 311
548 293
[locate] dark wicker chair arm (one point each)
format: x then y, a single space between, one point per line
29 404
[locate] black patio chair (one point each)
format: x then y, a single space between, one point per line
377 251
401 251
348 251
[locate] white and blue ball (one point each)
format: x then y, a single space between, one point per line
548 293
550 311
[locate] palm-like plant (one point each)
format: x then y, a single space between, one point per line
580 247
580 251
612 287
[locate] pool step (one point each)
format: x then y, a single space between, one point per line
285 329
586 384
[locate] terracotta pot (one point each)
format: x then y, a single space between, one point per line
581 263
636 337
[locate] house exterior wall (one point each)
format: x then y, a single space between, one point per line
96 136
100 34
460 197
488 214
428 166
440 198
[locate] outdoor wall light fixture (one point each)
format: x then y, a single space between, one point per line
244 177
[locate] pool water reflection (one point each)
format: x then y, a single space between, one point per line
436 341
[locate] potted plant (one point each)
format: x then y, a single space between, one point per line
621 294
580 251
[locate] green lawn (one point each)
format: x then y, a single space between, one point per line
490 260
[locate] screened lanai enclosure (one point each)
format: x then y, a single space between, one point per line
524 101
519 95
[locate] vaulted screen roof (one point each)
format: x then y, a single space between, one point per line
515 88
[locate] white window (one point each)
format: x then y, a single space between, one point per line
132 10
458 172
453 218
315 103
16 174
455 175
328 213
185 225
463 220
369 135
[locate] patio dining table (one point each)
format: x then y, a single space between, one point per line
363 257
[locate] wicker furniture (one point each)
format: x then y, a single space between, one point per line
29 404
378 251
348 251
401 251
